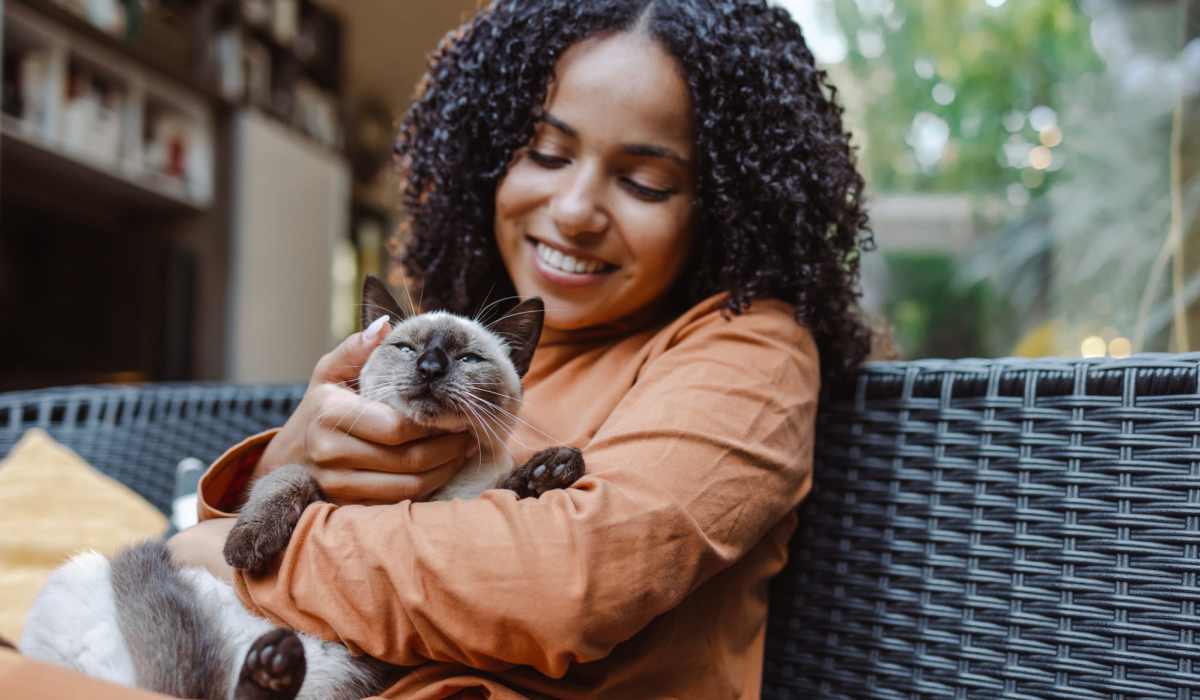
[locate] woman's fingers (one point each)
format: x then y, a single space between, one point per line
343 363
373 487
342 410
339 451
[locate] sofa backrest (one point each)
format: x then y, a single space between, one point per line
1003 528
138 434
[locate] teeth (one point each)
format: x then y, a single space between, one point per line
566 263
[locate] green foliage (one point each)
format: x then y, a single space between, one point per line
931 314
996 60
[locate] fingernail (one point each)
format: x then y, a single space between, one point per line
372 331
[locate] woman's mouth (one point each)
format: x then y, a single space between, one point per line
565 268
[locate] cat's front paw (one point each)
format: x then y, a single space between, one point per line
253 546
265 525
552 468
273 669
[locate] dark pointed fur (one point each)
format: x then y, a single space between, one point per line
174 647
549 469
265 523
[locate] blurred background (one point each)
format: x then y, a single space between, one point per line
194 189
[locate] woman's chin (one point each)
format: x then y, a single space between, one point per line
571 315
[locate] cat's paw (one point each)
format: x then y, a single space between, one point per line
265 525
273 668
552 468
253 546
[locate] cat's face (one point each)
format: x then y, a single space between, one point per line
447 371
444 370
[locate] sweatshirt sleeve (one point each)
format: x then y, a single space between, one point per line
224 485
708 451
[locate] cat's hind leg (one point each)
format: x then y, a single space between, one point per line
174 641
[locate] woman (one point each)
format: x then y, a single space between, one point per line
673 178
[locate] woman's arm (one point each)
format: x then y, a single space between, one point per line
359 450
710 449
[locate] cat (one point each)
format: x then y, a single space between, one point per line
141 620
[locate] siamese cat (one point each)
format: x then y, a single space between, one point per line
141 620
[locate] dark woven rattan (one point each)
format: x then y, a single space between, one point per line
1004 528
138 434
1001 528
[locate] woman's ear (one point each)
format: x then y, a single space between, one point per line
378 301
521 328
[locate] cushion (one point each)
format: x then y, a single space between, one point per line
52 505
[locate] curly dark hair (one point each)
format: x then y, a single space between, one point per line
779 199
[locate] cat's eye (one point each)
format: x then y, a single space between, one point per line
470 358
404 347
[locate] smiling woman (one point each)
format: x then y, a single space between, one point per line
710 113
595 215
673 179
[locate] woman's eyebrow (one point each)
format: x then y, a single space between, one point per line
559 124
633 149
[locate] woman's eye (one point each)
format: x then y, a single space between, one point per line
649 194
470 358
546 160
404 348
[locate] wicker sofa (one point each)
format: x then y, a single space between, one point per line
979 528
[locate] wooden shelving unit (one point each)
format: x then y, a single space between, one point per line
86 113
142 200
115 212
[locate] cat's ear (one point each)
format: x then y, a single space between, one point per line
377 301
521 327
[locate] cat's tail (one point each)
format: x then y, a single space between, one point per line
175 648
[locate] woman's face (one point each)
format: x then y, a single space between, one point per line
594 216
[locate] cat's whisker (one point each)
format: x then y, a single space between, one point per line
513 314
361 411
478 408
476 387
483 311
522 421
501 415
465 411
484 423
492 288
491 437
413 309
421 297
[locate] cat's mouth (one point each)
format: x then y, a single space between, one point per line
424 393
429 402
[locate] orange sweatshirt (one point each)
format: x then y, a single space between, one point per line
647 579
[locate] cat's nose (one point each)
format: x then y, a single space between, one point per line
432 364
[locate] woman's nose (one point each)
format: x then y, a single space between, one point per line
577 207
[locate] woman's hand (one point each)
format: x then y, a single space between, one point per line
362 451
203 545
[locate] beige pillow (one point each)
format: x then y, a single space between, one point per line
52 505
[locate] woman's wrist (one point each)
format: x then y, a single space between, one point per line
270 460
